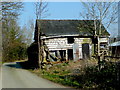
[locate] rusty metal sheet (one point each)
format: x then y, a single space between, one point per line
75 52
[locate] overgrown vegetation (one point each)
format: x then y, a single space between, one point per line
101 79
13 47
15 39
82 76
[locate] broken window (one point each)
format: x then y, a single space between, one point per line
70 40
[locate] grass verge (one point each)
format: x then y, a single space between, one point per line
76 75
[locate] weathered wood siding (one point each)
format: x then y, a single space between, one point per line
62 44
104 40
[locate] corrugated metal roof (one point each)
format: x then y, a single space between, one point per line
115 44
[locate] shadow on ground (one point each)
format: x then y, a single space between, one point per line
21 65
14 65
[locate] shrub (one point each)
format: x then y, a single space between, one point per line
105 78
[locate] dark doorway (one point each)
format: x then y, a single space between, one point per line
70 54
116 51
62 54
85 51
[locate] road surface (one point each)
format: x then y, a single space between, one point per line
15 77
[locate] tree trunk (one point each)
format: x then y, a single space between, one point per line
39 54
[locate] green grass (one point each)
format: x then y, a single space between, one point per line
90 78
61 79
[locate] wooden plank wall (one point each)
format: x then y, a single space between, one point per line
62 44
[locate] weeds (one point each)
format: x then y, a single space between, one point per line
88 77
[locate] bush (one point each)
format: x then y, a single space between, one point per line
90 78
15 53
104 78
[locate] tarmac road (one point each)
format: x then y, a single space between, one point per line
15 77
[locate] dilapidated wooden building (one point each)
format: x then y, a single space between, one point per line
68 39
115 48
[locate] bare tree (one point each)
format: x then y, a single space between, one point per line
101 13
105 12
29 29
41 12
12 38
11 9
41 9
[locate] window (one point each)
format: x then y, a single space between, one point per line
70 40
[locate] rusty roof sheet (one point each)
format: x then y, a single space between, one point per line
115 44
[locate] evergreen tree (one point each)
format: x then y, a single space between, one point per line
13 44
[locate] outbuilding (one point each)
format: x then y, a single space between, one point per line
115 49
